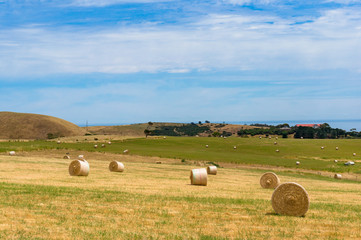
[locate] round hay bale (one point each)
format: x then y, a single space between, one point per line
260 137
336 148
158 162
269 137
206 146
58 142
109 143
290 199
199 177
95 146
116 166
354 154
301 137
322 147
126 151
297 163
12 153
79 168
276 138
66 157
275 143
212 170
269 180
235 147
164 137
338 176
335 161
277 150
103 145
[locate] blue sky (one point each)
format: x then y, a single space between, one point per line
122 61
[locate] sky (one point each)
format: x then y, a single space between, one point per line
134 61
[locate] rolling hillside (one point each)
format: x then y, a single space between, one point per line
35 126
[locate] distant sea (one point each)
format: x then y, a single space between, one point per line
342 124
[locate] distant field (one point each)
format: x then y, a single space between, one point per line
249 150
39 200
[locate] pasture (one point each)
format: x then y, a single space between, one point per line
251 151
39 200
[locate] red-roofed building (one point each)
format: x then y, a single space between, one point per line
309 125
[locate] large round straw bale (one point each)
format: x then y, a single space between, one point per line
338 176
116 166
290 199
12 153
269 180
66 157
79 168
212 170
199 176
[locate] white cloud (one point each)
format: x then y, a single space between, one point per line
217 42
247 2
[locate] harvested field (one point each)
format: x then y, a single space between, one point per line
40 200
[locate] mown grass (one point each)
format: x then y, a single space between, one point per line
156 201
249 150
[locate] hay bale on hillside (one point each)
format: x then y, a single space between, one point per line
354 154
109 143
95 146
199 177
277 150
322 147
275 143
336 148
158 162
116 166
297 163
212 170
207 146
126 151
234 147
66 157
269 180
79 168
58 142
12 153
290 199
338 176
103 145
335 161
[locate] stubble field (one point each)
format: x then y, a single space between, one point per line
40 200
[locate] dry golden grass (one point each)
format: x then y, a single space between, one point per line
35 126
40 200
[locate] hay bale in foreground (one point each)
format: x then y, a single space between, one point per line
199 176
12 153
79 168
212 170
269 180
338 176
116 166
290 199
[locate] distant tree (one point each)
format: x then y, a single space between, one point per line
147 132
216 134
207 121
200 122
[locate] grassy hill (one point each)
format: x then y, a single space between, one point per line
138 129
35 126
